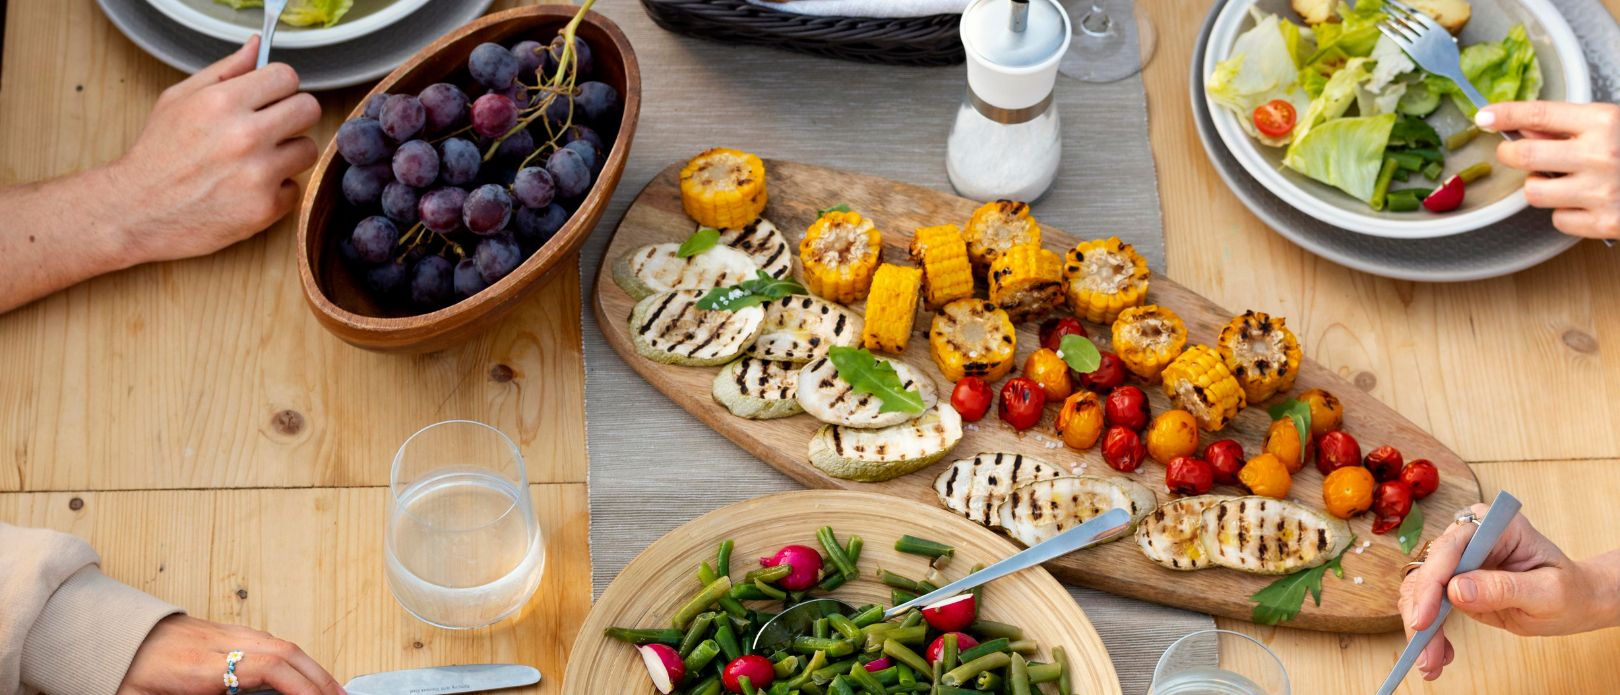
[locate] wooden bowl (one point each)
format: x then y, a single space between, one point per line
336 293
649 590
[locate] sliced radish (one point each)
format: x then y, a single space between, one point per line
952 614
964 642
1447 197
876 665
664 666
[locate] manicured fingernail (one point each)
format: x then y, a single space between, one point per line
1466 591
1485 119
1423 661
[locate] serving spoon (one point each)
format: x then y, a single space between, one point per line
780 630
272 17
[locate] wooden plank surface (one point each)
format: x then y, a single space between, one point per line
798 190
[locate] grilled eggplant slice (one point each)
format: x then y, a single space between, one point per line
875 455
669 327
659 268
1040 510
764 244
830 399
758 389
1270 536
1169 536
973 487
800 328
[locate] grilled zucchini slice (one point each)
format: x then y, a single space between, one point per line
758 389
800 328
1040 510
669 327
659 268
764 244
875 455
1262 535
1169 536
973 487
830 399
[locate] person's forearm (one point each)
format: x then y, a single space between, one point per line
57 233
1603 575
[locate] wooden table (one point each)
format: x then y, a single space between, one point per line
194 423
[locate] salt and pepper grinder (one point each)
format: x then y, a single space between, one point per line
1006 140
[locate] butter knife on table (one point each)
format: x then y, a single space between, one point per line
439 680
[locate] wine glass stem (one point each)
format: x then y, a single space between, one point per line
1096 22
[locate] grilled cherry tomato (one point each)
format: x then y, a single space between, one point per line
1123 449
1185 475
1080 422
1282 441
1173 434
1335 450
1051 372
1226 458
1053 330
1021 402
1274 118
1392 501
1384 462
1266 476
1422 477
971 398
1327 412
1109 374
1348 491
1127 406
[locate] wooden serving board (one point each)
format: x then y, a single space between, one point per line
663 576
797 191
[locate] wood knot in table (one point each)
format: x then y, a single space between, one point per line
500 374
1580 341
76 503
241 594
288 422
1365 380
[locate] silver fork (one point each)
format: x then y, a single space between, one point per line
272 17
1431 47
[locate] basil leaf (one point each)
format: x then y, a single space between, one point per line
1411 530
1079 353
1282 599
1298 411
762 288
870 375
841 207
702 240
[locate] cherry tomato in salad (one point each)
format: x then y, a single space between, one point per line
1053 330
1274 118
971 398
1022 401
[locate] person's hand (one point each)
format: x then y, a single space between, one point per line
215 163
1526 586
186 656
1581 141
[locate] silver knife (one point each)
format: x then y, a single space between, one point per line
444 680
1098 528
1502 511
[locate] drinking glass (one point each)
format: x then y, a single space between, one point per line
464 548
1254 669
1113 40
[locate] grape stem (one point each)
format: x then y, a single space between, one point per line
562 82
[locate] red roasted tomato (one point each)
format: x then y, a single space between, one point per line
1022 401
971 398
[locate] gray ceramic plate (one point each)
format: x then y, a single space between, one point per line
1521 241
362 60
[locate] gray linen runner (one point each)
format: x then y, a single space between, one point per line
653 466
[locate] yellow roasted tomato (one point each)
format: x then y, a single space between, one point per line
1348 491
1173 433
1266 476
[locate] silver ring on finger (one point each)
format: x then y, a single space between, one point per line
1467 516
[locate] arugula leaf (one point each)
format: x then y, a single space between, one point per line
1282 599
1300 412
841 207
702 240
762 288
868 374
1080 353
1411 530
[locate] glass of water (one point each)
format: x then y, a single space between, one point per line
1251 668
464 548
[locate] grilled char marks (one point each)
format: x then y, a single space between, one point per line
973 487
677 326
1269 536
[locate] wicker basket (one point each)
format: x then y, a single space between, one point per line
931 40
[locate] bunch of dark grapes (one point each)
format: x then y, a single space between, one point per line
453 187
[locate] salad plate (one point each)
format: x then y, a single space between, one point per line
1564 76
221 21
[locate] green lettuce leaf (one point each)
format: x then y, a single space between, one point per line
1261 68
1344 152
1337 95
302 13
1505 70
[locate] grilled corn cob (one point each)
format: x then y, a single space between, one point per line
971 337
891 307
942 254
840 253
1199 382
1261 352
997 226
1104 277
723 188
1027 281
1147 338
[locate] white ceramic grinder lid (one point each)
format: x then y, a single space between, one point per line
1013 48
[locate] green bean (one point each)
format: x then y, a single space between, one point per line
701 655
835 552
707 686
978 590
748 592
988 680
640 637
852 550
905 676
768 574
1018 676
818 660
992 629
1045 673
953 690
722 558
786 666
1024 646
897 581
1402 175
913 618
770 591
903 654
913 545
1428 154
867 616
899 596
705 597
908 635
807 644
1432 171
819 628
1475 172
731 606
1381 188
1406 160
844 626
948 651
865 679
1065 684
1404 200
998 644
934 673
746 684
726 637
1461 138
926 587
970 670
839 686
697 632
705 574
832 581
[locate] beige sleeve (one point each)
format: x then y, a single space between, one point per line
66 628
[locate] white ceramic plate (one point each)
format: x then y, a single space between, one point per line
1490 200
221 22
